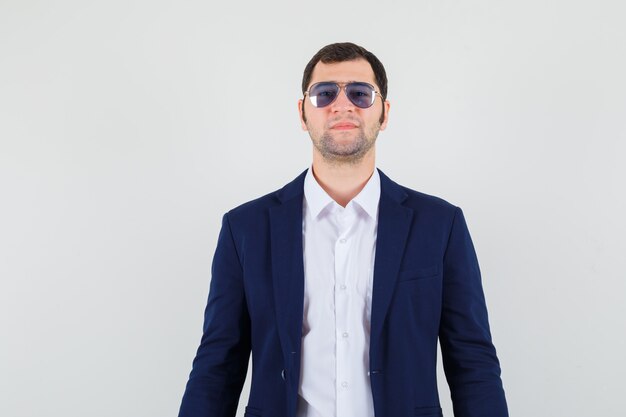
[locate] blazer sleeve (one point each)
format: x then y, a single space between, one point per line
469 357
221 362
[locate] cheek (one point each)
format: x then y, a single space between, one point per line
373 120
315 119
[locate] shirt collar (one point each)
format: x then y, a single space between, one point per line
317 198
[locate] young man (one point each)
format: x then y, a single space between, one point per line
341 282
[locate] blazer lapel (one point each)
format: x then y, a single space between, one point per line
288 269
394 223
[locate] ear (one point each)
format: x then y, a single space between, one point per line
301 114
387 106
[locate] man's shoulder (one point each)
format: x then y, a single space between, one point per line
260 206
256 205
418 200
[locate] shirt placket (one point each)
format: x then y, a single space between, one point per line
343 294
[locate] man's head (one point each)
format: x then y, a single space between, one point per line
341 130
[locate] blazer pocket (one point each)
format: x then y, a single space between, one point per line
252 412
418 273
428 411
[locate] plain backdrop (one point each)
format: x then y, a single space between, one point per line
127 128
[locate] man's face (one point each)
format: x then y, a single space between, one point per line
341 131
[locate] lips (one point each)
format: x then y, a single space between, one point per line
343 126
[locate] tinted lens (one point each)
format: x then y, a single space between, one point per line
361 94
322 94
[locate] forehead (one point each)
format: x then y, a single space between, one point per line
355 70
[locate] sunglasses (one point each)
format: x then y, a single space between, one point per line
360 94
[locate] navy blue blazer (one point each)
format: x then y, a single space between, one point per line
427 286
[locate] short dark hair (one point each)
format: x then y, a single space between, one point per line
346 51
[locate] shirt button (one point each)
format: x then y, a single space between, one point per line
342 240
345 335
342 286
344 384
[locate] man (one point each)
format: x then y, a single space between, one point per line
342 281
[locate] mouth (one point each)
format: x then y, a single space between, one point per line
344 126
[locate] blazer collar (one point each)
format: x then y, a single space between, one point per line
295 188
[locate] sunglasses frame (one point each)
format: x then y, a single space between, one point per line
342 86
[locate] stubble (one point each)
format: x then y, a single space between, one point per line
336 150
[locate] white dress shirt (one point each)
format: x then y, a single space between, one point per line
339 249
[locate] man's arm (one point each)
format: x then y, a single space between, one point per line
221 363
469 357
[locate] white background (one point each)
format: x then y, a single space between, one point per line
127 128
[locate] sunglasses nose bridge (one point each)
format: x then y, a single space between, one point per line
342 99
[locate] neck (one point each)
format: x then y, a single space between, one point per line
343 180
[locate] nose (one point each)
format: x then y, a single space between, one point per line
342 102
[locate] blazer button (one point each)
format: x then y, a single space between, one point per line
282 374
